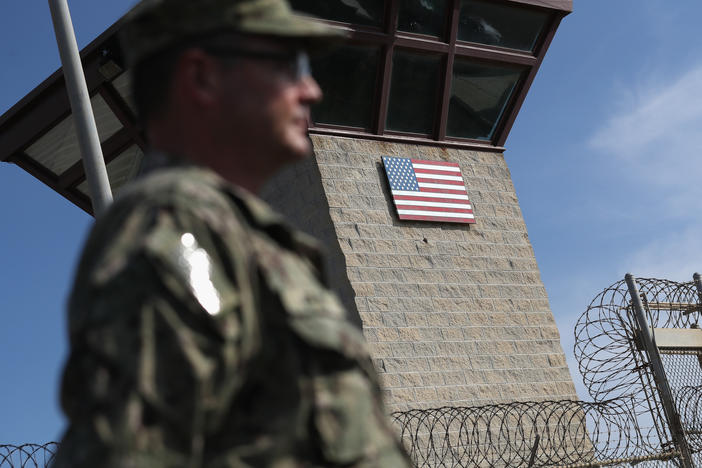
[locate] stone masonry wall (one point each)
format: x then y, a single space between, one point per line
454 314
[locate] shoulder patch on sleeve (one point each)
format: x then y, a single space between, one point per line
167 248
197 267
183 262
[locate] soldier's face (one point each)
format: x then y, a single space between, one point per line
267 100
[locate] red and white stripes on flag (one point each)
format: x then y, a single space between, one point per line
428 190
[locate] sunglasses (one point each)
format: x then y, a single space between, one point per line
296 64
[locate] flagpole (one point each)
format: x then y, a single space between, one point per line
86 130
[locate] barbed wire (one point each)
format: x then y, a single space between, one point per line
610 362
610 431
27 455
526 434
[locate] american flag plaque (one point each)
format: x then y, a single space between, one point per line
428 190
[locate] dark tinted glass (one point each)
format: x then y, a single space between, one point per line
500 25
413 92
423 17
479 95
347 77
365 12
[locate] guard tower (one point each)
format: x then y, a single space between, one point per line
455 314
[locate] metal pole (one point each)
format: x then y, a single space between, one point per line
698 284
86 131
659 374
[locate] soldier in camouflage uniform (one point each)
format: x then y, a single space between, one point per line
202 333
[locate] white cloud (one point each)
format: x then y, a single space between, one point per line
675 256
654 142
652 139
657 116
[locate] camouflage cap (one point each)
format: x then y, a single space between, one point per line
153 25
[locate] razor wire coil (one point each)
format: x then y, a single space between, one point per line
27 455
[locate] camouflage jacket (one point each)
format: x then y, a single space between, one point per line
202 335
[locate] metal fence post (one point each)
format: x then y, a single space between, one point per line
86 130
659 377
698 284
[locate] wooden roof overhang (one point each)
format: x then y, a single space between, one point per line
47 107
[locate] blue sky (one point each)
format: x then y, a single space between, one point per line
604 156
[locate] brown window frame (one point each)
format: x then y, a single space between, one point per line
389 38
47 104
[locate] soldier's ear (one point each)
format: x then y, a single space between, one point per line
198 78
